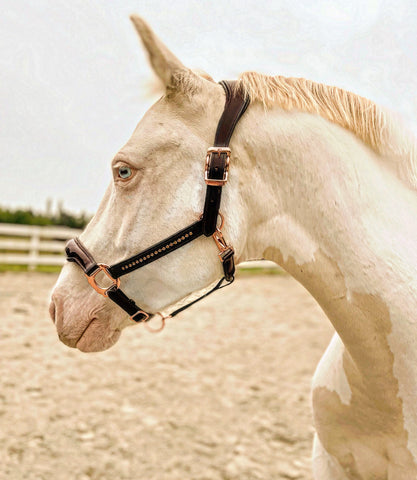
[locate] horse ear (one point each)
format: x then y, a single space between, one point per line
165 64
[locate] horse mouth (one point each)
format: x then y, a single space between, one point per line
91 334
97 337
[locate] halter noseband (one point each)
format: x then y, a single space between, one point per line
215 175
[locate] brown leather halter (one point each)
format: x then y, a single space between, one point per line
216 175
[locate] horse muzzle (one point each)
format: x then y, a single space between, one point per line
90 327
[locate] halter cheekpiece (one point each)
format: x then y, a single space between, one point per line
215 175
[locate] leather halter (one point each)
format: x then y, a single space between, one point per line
216 175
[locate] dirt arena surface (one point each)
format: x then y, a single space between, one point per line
222 394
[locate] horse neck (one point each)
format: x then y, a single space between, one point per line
326 209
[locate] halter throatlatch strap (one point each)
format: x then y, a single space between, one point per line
216 173
218 156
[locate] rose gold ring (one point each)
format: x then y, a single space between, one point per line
161 327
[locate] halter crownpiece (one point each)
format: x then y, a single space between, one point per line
215 175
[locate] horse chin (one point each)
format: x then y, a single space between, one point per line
97 337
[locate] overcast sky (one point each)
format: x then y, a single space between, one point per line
74 80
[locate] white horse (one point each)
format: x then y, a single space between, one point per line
323 183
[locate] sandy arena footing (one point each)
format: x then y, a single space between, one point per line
222 394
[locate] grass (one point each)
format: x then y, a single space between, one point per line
25 268
260 271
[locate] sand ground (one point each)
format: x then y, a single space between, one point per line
222 394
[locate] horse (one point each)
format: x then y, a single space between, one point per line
322 182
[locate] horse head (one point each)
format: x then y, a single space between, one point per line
157 188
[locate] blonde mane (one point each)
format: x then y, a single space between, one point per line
374 126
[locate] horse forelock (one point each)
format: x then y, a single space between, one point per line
368 121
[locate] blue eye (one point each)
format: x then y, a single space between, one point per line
125 172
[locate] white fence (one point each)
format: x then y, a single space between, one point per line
33 246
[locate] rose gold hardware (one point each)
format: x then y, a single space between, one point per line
219 150
140 312
92 279
221 222
219 239
161 327
221 181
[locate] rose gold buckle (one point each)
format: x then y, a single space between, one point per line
99 289
147 316
217 182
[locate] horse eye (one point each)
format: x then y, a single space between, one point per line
125 172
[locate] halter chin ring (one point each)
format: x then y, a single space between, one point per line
161 327
102 267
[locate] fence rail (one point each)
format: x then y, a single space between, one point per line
35 246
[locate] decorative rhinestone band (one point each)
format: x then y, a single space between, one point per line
160 250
